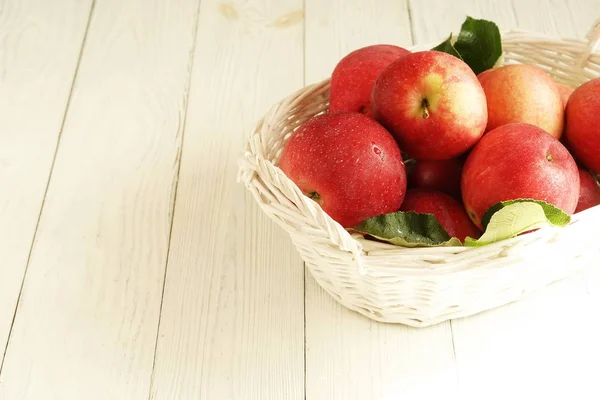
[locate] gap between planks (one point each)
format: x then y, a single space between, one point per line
175 188
39 216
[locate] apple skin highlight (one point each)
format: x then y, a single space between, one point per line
432 103
349 164
523 93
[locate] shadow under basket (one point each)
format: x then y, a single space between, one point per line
423 286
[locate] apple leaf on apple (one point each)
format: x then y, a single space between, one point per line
554 214
407 229
509 218
479 44
447 47
504 220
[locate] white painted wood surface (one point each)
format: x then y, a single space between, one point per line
87 321
154 276
39 49
232 323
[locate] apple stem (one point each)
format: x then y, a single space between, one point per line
549 157
315 196
425 106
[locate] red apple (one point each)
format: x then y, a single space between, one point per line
442 175
522 93
565 92
347 163
449 212
482 74
589 191
354 76
583 126
432 103
518 161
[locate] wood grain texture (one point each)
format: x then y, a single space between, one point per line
551 17
40 44
434 20
232 324
349 356
88 317
538 347
582 14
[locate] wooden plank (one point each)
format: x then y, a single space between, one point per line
87 321
537 347
232 325
546 16
433 20
582 15
335 28
349 356
39 49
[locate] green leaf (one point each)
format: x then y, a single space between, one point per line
408 229
479 43
509 218
447 47
554 214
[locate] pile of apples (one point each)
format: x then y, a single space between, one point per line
469 141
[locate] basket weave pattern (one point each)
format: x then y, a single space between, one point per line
422 286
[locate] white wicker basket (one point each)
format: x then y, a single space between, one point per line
423 286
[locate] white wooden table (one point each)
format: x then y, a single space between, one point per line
133 266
